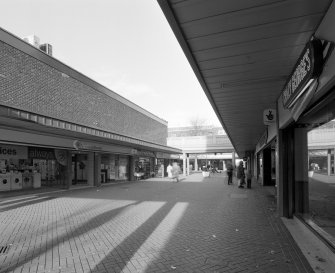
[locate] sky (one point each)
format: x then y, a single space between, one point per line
125 45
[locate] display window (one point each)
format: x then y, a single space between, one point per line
123 173
321 178
144 167
31 167
159 168
114 168
108 168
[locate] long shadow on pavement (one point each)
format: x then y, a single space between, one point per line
118 258
82 229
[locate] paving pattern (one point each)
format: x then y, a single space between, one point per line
196 225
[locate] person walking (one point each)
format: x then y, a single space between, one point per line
169 171
240 175
175 171
230 173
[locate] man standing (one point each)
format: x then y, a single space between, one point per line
230 173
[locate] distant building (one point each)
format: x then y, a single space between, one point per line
35 41
195 131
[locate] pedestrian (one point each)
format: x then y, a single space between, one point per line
175 171
230 173
169 171
240 175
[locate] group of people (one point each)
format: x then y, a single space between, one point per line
173 171
241 174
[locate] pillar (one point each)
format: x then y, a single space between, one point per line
97 169
301 202
233 159
90 169
184 164
329 162
196 163
285 174
68 170
131 168
188 163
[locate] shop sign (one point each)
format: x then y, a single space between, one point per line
306 70
269 116
61 156
41 153
79 145
146 153
13 152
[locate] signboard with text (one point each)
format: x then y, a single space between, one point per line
307 68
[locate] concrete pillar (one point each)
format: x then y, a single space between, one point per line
233 159
90 169
329 162
301 204
131 168
188 164
97 169
196 163
68 170
184 164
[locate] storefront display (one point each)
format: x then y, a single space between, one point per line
31 167
114 168
108 172
123 168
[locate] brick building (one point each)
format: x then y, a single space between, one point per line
59 127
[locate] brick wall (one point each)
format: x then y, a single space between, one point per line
31 85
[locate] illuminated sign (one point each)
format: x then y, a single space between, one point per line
306 70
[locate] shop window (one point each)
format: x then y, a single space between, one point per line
108 168
321 176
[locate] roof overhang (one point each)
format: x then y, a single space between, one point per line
242 53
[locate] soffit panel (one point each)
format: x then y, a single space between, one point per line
248 17
243 52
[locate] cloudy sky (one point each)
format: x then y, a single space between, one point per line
126 45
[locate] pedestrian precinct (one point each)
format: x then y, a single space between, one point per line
240 175
230 173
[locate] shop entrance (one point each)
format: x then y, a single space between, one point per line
79 168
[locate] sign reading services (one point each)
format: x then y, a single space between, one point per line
13 152
308 68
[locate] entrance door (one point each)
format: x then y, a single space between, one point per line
79 168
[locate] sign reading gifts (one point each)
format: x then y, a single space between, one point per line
13 152
306 70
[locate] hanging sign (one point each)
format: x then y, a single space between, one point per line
306 70
61 156
269 116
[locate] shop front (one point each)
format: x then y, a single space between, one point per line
306 111
145 166
24 167
114 168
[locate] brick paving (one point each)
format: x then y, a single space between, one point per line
196 225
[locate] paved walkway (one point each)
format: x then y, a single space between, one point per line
196 225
